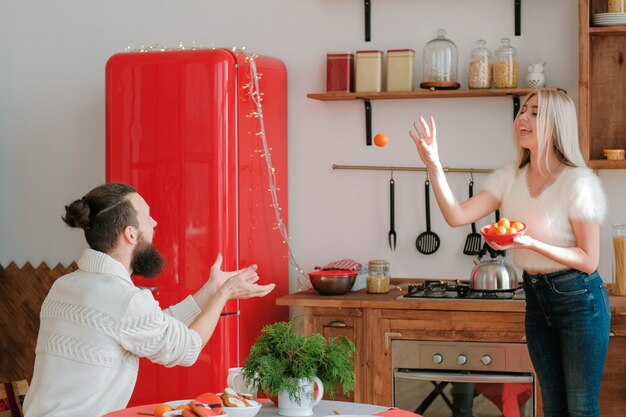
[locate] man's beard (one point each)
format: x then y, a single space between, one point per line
146 260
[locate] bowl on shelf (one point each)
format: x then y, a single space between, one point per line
333 282
501 240
614 154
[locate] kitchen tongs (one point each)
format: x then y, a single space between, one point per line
392 208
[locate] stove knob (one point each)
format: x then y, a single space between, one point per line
486 359
437 358
461 359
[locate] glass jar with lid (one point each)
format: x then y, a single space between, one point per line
479 74
440 64
378 276
505 66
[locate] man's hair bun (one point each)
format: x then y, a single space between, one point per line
77 214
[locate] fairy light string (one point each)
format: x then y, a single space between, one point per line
257 98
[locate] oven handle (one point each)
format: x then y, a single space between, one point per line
458 377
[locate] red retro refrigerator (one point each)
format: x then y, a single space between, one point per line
182 129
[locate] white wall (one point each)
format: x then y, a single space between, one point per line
52 114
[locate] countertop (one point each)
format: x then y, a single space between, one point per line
391 300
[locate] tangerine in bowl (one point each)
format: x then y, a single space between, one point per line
503 231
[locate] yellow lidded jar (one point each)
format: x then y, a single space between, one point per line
378 276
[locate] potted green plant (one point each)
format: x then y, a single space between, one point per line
281 357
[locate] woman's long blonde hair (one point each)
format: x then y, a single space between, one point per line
557 127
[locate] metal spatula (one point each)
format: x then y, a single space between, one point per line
427 242
474 240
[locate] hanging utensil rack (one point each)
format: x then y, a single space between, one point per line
418 169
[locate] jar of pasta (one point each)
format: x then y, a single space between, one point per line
378 276
479 74
505 66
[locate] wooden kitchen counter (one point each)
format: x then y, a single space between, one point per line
374 321
361 299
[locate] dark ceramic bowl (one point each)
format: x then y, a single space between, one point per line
333 282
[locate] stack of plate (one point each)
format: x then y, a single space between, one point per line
609 19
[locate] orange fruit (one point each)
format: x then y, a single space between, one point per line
500 230
381 140
182 406
160 409
504 222
511 230
518 226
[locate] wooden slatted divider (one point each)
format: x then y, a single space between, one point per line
22 291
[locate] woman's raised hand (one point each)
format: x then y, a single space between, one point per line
424 136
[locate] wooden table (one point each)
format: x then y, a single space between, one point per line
324 408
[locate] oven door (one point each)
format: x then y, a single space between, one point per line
464 394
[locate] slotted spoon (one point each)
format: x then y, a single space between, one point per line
427 242
474 240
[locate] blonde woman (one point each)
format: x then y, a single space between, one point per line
549 188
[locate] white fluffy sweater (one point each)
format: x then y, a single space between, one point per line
575 195
95 324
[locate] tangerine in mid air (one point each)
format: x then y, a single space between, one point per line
381 140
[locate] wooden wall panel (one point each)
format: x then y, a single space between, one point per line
22 291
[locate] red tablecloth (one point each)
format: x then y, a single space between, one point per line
132 411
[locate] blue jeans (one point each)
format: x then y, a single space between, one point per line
567 329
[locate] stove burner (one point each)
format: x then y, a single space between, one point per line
458 289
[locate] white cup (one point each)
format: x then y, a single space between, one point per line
235 381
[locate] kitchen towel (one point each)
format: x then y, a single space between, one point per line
348 264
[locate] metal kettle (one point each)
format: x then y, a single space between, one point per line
492 274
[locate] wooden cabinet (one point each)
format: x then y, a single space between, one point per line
602 87
335 322
612 389
374 321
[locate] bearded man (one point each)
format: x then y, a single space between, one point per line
96 324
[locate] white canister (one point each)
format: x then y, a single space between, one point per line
400 69
369 68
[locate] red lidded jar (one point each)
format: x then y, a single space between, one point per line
340 71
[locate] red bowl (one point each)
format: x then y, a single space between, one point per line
501 240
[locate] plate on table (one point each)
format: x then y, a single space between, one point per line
177 403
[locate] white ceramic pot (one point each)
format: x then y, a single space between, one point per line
288 407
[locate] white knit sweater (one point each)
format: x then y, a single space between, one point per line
575 195
95 324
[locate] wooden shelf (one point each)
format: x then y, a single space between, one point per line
388 95
609 30
606 164
601 104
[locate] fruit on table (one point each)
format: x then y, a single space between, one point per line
381 140
161 409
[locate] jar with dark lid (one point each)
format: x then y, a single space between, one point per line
479 74
440 64
505 67
378 276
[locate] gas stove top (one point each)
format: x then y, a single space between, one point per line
458 290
